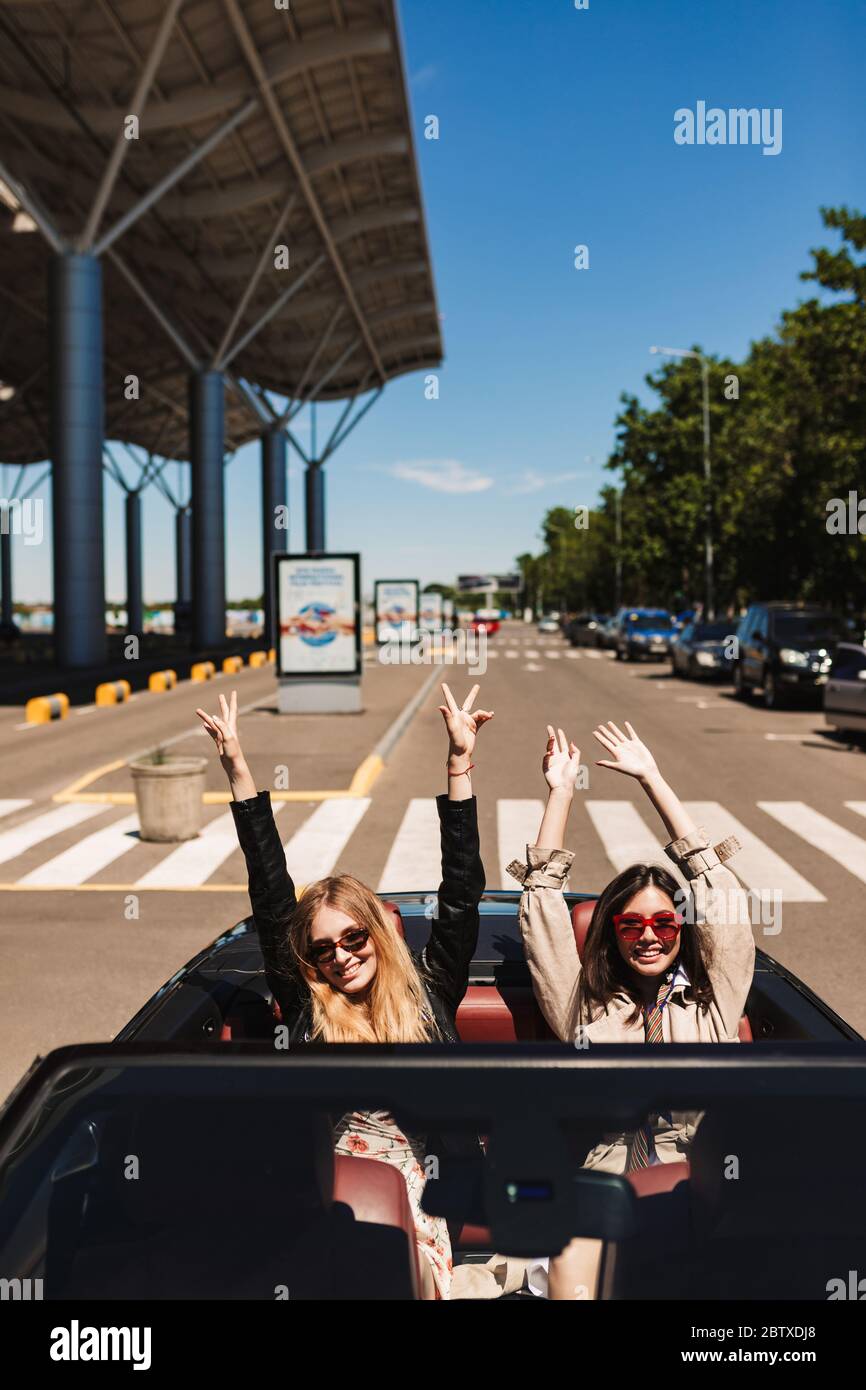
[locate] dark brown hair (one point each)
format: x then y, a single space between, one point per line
605 973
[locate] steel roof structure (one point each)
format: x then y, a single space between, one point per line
181 142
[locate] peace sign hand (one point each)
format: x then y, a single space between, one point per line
224 731
462 722
561 761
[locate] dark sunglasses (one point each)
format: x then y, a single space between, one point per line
353 941
630 925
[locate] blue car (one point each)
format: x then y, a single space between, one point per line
645 632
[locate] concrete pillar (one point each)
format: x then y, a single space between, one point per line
207 446
275 495
314 481
134 593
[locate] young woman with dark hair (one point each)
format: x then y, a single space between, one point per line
659 964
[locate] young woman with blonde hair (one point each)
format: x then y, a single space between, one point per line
337 967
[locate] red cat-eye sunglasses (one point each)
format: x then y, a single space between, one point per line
631 925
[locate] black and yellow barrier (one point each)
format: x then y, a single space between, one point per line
43 708
202 671
113 693
272 654
258 659
232 664
162 680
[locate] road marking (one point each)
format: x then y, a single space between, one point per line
626 837
533 655
553 656
86 858
193 862
575 656
517 825
313 851
7 807
24 727
31 832
533 668
414 860
512 652
786 738
818 830
86 709
592 655
756 865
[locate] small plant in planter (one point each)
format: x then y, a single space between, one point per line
168 794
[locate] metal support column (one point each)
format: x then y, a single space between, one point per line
134 593
77 428
314 483
183 570
275 502
207 445
6 615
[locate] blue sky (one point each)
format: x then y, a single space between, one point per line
556 128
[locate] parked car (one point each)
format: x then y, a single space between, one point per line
607 633
583 631
845 691
241 1192
644 632
548 624
704 650
786 651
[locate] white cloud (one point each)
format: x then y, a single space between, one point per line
534 482
441 475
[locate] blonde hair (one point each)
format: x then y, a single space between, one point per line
392 1012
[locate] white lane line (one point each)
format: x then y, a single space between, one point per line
7 807
756 865
786 738
533 668
532 654
84 859
517 825
512 652
818 830
626 837
32 832
313 851
592 655
86 709
414 860
553 656
193 862
24 727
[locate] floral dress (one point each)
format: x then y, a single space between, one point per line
374 1134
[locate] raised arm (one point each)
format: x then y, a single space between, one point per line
545 925
632 757
272 892
454 931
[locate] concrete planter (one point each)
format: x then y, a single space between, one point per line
169 797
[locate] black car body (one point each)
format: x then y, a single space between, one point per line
239 1193
703 651
585 630
786 651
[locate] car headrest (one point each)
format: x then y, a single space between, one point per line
395 913
581 916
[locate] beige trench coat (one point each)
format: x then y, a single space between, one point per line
720 912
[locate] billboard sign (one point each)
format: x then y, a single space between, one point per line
318 614
396 605
431 612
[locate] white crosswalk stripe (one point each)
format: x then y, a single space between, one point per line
755 864
193 862
313 851
414 860
86 858
592 654
517 825
8 807
553 656
33 832
833 840
626 837
575 656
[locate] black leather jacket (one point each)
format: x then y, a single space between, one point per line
443 964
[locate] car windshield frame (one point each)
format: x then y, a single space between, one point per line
651 622
802 630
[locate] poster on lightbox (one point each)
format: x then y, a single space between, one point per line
318 615
396 605
431 612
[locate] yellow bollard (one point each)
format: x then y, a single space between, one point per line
232 664
272 654
257 659
113 693
43 708
162 680
202 671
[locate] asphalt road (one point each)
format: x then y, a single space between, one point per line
74 964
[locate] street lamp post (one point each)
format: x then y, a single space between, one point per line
708 504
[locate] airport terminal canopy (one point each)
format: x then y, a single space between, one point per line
181 142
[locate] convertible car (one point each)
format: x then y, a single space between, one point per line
193 1156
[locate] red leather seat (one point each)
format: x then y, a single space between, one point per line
376 1192
487 1014
660 1177
581 916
